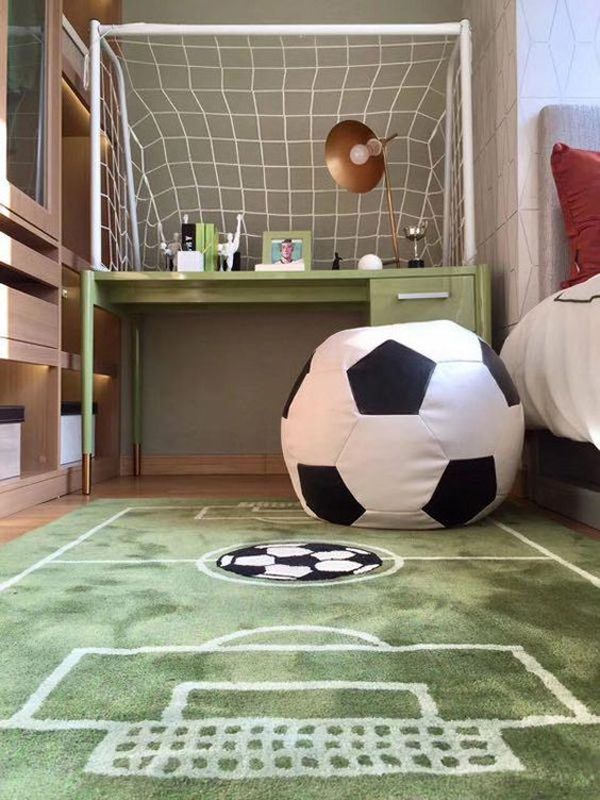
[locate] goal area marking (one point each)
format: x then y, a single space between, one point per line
238 747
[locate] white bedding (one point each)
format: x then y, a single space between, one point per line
553 356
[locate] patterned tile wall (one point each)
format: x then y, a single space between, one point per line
558 58
495 123
527 54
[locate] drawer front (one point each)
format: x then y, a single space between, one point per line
414 299
27 318
22 258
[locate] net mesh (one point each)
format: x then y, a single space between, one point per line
234 749
228 125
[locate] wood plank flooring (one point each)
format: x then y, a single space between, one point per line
217 486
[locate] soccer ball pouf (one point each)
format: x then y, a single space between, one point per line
403 426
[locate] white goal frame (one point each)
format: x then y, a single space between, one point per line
98 43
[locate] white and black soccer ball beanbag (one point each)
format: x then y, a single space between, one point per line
409 426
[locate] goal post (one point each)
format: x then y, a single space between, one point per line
135 204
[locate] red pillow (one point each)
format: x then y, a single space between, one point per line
577 177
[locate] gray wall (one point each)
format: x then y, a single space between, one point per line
317 11
214 383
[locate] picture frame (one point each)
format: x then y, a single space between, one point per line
297 245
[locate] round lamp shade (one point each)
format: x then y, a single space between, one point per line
342 141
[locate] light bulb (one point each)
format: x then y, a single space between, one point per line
359 154
374 147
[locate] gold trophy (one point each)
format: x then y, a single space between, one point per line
414 234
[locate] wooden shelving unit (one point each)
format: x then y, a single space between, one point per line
40 271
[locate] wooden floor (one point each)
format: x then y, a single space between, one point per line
215 486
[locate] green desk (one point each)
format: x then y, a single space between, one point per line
462 294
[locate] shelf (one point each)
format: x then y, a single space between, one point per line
36 388
73 261
28 262
72 362
75 177
23 230
26 478
73 60
107 396
28 318
26 353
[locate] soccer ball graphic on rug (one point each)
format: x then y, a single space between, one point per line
403 426
299 561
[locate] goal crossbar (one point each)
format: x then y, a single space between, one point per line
461 31
173 29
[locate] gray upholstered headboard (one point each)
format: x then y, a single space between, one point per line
577 126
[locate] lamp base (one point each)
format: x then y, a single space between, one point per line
416 263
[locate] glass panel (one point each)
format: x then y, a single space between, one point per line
26 96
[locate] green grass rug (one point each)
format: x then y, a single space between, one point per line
239 650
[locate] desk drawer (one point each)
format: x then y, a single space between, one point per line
414 299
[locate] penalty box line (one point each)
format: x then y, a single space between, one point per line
588 576
230 643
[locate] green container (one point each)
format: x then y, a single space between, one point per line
207 242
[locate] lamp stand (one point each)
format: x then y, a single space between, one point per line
390 200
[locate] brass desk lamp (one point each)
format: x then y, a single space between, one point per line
356 159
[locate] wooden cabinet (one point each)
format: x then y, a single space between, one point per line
40 358
30 107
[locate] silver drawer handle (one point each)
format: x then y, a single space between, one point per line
424 296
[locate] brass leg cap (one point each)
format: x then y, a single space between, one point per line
137 460
86 473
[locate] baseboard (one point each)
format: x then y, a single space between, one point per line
22 494
265 464
581 503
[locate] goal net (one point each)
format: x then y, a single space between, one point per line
219 125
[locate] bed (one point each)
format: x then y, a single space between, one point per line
554 351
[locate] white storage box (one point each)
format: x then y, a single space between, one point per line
70 432
11 419
189 261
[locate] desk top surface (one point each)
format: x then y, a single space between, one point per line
347 275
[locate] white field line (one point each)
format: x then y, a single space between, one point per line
7 584
368 642
180 697
141 561
593 579
476 558
130 562
552 684
50 683
65 548
538 721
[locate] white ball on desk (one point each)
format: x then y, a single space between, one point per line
370 261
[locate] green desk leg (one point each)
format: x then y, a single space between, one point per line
483 302
136 396
87 378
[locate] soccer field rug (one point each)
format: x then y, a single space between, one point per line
241 650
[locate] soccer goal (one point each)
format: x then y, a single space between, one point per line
211 121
